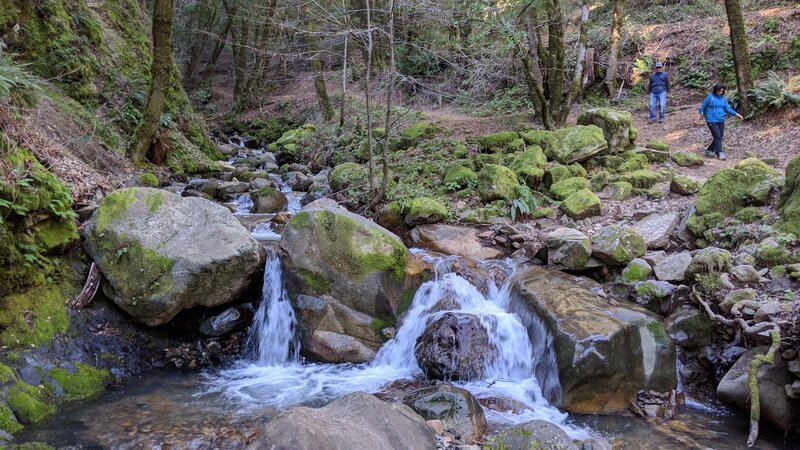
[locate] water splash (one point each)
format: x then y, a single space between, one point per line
243 204
265 232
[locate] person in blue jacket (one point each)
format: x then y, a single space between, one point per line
715 109
658 88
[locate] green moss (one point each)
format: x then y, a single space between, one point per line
82 382
460 177
541 213
753 166
651 193
659 332
655 144
577 170
53 233
497 182
529 165
641 179
497 142
636 272
345 174
28 403
725 192
8 422
684 185
32 317
792 182
557 173
581 205
147 179
770 254
424 210
114 207
576 143
153 201
542 138
406 299
634 162
750 214
484 215
599 180
379 324
687 159
301 220
621 190
565 188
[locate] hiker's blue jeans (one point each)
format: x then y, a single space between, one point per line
661 101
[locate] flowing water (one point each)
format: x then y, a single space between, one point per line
224 408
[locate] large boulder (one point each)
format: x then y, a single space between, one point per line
529 165
497 182
617 246
452 240
789 201
268 200
590 357
582 204
536 434
161 253
616 126
657 228
354 265
454 347
776 408
357 420
422 210
456 408
568 248
576 143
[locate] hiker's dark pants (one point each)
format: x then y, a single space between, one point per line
717 130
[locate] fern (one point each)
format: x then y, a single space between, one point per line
17 87
772 93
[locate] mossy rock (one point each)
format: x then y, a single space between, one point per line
687 159
652 193
576 143
32 317
582 204
484 215
147 179
753 166
725 192
599 180
708 261
792 181
656 144
423 210
497 182
620 190
497 142
641 179
633 162
79 381
617 246
615 124
542 138
750 214
637 270
413 135
684 185
654 156
556 173
29 404
771 252
565 188
789 201
459 177
529 165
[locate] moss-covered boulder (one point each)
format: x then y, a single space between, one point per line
496 182
656 144
709 261
413 134
576 143
159 251
685 185
620 190
565 188
723 195
603 354
343 272
582 204
535 434
641 179
789 201
568 248
556 173
617 246
289 147
268 200
497 142
616 126
599 180
541 138
422 210
529 165
633 161
687 159
792 181
459 177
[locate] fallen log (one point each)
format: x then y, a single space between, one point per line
89 289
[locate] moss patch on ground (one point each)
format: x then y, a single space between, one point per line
81 382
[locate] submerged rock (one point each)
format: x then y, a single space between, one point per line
456 408
590 357
454 347
357 420
161 253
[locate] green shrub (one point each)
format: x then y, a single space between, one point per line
17 87
771 93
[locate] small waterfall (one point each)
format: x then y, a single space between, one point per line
272 339
243 204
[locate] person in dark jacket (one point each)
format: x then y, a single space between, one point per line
715 109
658 88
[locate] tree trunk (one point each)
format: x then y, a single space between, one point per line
580 61
240 54
367 96
255 80
555 64
198 48
388 122
208 71
613 46
322 91
533 70
344 85
161 79
741 55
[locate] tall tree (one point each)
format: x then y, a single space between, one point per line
160 80
580 63
617 15
741 55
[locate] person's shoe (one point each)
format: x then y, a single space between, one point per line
649 121
661 120
710 154
722 156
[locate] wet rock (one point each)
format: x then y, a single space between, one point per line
452 240
193 193
673 267
357 420
456 408
768 312
390 216
315 192
536 434
503 405
454 347
657 229
221 323
230 188
332 253
602 355
690 328
776 407
268 200
568 248
228 149
424 210
157 252
656 296
617 246
206 186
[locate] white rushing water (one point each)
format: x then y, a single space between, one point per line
273 375
243 204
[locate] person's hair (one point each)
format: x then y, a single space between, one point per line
717 87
